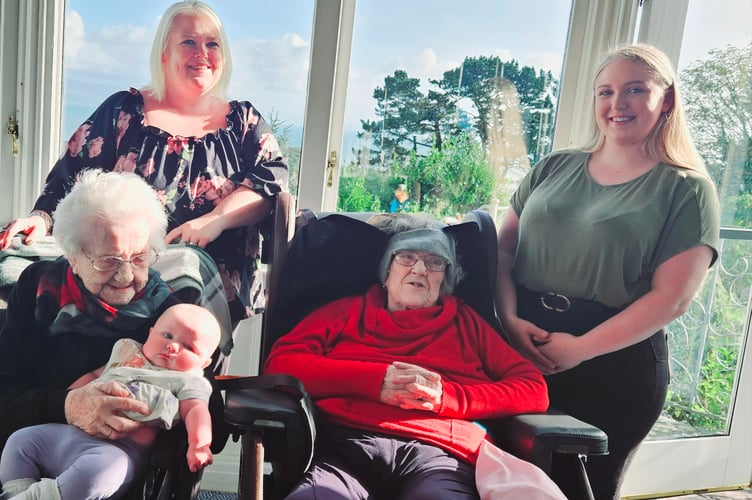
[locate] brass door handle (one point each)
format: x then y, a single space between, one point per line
13 132
330 164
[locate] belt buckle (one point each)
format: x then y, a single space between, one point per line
553 301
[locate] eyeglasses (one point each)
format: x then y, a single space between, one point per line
432 262
113 262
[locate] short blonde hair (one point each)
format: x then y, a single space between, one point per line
670 141
187 8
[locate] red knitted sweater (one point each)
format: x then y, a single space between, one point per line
341 352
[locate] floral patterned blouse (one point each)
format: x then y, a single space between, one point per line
190 174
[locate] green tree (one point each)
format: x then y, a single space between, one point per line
354 196
399 104
507 126
719 108
718 98
481 80
283 132
449 181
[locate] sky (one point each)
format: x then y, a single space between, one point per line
107 49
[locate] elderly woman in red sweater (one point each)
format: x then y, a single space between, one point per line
399 375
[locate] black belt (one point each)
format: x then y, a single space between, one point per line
554 302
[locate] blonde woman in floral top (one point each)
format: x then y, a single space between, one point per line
214 163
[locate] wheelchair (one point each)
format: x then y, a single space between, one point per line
336 255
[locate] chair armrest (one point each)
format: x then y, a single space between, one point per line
279 408
536 437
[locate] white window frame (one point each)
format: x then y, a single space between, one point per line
31 91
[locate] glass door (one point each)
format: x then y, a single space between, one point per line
703 438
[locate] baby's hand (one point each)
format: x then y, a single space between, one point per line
198 457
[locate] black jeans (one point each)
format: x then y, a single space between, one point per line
621 392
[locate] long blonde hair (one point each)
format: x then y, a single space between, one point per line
187 8
670 141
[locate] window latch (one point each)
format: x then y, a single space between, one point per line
13 132
330 164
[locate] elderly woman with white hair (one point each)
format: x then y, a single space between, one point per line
399 374
64 316
214 162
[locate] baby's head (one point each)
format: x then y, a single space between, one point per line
184 338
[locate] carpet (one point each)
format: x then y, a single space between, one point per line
216 495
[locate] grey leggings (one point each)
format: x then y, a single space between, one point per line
85 467
356 464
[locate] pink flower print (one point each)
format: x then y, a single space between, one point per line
211 189
78 139
176 144
199 187
95 147
122 124
219 187
269 146
126 163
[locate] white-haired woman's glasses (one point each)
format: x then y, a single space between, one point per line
113 262
431 261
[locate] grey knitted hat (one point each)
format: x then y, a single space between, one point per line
428 240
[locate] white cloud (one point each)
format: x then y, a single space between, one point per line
548 61
721 23
74 34
119 49
272 74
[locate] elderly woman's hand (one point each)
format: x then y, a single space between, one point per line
411 387
97 409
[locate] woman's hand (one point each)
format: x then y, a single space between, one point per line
97 409
34 227
527 339
562 349
411 387
200 231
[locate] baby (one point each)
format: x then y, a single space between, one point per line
166 372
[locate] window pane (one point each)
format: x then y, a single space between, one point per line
707 342
455 102
106 52
715 70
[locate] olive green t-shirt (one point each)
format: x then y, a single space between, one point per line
590 241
